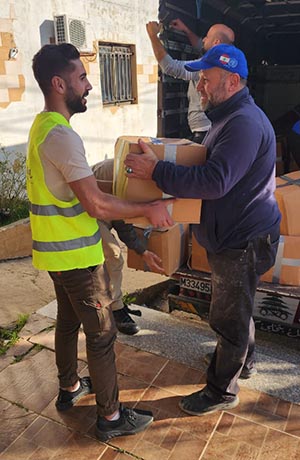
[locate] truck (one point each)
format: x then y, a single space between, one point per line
269 34
276 307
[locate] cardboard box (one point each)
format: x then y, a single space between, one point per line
179 151
170 245
288 197
286 269
199 258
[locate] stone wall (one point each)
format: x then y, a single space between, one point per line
15 240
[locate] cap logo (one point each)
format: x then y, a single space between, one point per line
224 59
232 63
227 60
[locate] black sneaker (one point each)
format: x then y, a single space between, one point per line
203 403
67 399
124 322
245 374
130 422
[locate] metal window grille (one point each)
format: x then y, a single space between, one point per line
115 72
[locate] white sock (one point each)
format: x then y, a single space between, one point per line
77 387
115 417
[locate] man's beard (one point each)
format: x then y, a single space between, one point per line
74 102
216 99
206 106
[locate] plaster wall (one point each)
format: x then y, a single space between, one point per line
27 25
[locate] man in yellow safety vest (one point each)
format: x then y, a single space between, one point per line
65 203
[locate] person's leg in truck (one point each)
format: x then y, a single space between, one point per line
114 264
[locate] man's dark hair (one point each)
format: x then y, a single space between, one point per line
53 60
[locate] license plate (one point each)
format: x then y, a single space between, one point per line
195 285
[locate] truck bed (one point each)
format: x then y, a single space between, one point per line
279 289
276 307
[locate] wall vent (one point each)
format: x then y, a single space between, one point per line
71 30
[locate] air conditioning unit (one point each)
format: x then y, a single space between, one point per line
72 30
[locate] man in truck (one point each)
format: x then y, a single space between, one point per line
198 122
239 225
103 171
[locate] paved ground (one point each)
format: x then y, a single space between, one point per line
155 368
23 289
186 339
262 427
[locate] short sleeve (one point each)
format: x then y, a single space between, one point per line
64 148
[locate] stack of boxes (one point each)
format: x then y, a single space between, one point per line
170 245
287 266
198 257
286 269
179 151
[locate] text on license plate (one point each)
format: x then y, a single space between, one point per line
196 285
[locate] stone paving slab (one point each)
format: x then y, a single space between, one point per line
185 338
262 427
23 289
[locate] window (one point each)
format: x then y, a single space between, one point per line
117 73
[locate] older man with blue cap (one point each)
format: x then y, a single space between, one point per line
239 225
224 56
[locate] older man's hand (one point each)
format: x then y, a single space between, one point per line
141 166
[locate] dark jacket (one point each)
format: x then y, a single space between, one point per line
128 235
236 182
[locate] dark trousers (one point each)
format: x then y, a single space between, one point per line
235 275
83 298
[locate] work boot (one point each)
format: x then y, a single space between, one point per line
131 421
245 374
124 322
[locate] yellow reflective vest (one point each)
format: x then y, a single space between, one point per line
64 236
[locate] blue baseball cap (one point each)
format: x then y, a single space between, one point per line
224 56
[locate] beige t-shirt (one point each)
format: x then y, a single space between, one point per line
63 159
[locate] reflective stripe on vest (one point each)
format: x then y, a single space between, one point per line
78 243
64 236
52 210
